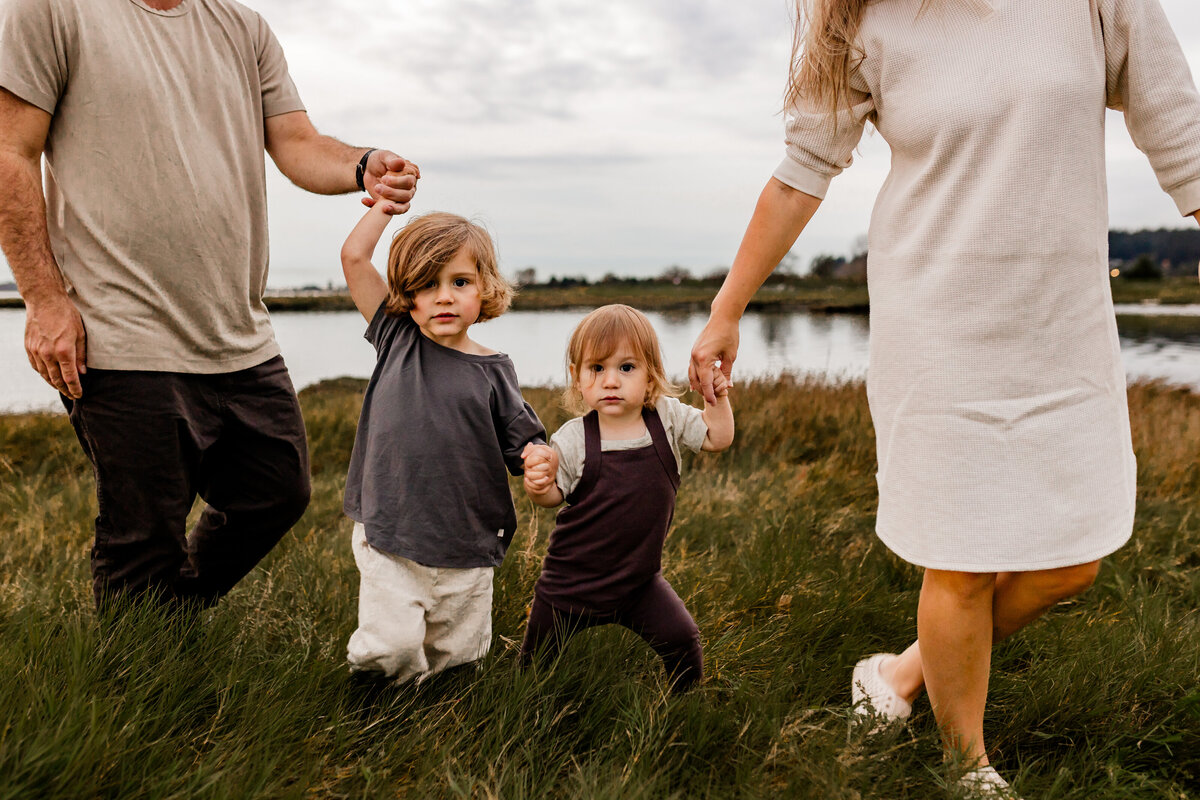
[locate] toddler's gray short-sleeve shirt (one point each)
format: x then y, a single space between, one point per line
439 432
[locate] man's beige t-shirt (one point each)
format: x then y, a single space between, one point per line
155 184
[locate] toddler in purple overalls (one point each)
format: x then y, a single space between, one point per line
617 467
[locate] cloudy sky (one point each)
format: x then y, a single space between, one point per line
623 136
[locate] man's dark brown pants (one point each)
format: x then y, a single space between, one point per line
158 439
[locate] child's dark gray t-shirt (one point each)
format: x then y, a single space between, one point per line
439 432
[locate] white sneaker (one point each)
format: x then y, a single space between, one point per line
985 783
873 696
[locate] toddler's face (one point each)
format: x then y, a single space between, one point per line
450 304
615 386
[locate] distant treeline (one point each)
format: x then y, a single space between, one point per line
1175 250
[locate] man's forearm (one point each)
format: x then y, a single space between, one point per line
324 165
23 233
320 164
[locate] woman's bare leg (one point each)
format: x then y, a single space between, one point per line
905 674
1019 598
1022 597
954 626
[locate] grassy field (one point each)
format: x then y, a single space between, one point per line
773 551
1170 291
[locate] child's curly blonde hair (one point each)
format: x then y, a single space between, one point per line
599 335
428 243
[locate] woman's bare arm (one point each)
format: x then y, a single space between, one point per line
780 216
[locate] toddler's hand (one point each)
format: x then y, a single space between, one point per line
535 454
541 468
721 384
392 208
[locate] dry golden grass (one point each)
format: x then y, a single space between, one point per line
773 550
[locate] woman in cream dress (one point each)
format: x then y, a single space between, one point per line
995 381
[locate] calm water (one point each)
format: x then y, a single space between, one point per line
326 345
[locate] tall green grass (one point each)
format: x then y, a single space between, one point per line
773 551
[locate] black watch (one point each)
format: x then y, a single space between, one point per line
361 170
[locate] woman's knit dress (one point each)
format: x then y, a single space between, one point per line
995 378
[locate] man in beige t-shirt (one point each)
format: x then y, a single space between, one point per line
143 264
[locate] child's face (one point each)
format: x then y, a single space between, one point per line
448 305
615 386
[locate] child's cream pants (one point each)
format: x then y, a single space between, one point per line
415 620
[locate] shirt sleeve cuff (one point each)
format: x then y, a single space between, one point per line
695 431
801 178
284 106
565 478
1187 197
28 93
372 331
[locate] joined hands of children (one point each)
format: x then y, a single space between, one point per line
541 467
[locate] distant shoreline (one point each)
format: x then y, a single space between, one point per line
789 294
824 296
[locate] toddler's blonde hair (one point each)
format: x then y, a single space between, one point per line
599 335
428 243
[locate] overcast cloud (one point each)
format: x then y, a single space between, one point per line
622 136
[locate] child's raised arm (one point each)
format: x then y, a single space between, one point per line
368 289
718 416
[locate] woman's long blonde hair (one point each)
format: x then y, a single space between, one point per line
824 52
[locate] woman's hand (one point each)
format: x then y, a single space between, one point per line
715 349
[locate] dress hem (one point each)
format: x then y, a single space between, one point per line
1026 566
